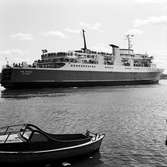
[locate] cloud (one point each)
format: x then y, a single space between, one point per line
11 52
151 1
83 25
12 56
74 31
150 20
102 48
96 26
22 36
135 31
54 34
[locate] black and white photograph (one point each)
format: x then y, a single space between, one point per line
83 83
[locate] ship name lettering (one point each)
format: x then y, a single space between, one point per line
26 72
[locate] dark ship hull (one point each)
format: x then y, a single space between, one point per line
35 77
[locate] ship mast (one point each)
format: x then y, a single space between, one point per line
85 47
129 38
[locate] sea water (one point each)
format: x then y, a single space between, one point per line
133 119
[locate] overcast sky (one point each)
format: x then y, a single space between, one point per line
28 26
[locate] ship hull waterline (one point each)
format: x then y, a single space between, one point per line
24 85
29 78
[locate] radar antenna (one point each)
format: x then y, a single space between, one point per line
129 38
85 47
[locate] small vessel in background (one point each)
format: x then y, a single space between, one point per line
83 67
28 143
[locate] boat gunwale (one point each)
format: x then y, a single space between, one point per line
92 141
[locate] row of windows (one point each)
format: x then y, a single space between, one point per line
108 67
73 65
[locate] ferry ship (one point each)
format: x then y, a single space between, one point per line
83 67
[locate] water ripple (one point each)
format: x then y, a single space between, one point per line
132 117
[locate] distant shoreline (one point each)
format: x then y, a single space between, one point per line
163 76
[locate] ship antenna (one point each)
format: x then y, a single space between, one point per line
85 48
129 38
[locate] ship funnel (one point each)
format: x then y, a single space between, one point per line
114 49
116 54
